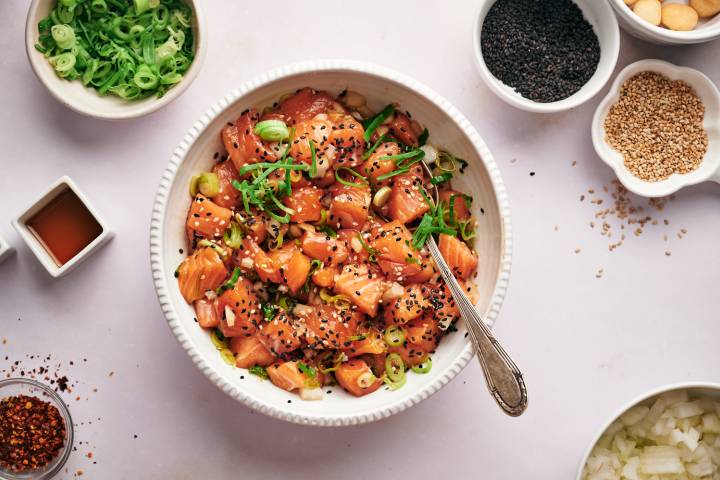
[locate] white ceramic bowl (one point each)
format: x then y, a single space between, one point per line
699 388
20 224
706 30
448 128
709 169
87 101
599 14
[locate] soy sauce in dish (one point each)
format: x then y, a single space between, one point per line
64 226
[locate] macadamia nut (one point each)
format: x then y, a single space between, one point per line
681 18
649 10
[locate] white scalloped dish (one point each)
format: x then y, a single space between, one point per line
448 129
709 169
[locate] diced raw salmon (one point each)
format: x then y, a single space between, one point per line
249 351
325 277
207 219
423 333
396 255
279 334
257 227
356 377
287 376
347 139
406 202
242 144
349 205
317 131
460 203
206 313
305 104
305 202
427 270
363 288
229 196
292 265
261 262
239 310
376 165
202 271
461 260
323 247
411 305
400 127
328 327
442 304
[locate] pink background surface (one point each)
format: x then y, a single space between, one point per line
586 344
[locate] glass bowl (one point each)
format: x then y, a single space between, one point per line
23 386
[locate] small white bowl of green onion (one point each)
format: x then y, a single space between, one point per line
115 59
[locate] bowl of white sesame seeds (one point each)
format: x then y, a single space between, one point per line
659 128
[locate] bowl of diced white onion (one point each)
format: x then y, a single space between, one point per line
670 433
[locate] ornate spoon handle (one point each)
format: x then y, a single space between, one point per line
504 379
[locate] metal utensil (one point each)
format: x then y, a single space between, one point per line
504 379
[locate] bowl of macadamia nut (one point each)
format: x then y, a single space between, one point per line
670 22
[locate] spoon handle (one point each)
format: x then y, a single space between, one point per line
504 379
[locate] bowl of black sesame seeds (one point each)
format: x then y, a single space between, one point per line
547 56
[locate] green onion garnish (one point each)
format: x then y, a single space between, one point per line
372 123
423 137
354 174
442 178
307 370
132 50
327 230
372 252
424 367
269 312
394 336
230 284
259 371
313 165
272 130
233 236
369 151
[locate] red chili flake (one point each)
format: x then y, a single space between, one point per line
32 433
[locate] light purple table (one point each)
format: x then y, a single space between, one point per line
586 344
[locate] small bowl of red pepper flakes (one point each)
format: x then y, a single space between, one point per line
36 430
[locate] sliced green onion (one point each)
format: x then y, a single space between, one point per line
446 161
98 6
204 243
424 367
394 367
228 356
340 301
64 36
313 165
399 171
259 371
353 173
233 235
230 284
394 336
404 156
377 143
307 370
373 253
269 311
442 178
144 5
467 199
467 229
206 183
218 339
272 130
327 230
423 137
372 123
145 78
63 63
395 385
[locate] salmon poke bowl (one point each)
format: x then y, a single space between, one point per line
288 242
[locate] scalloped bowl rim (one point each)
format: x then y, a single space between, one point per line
157 234
690 385
615 160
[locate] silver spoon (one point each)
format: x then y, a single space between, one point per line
504 379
